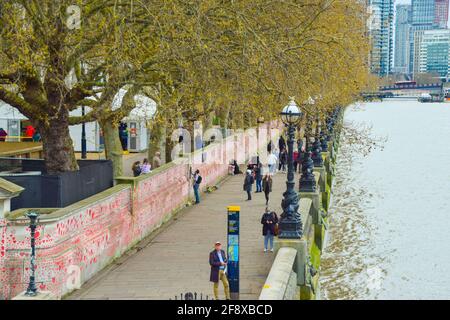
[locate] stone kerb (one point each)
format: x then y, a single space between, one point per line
279 280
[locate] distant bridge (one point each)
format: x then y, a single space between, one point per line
413 86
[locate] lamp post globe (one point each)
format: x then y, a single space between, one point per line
291 113
290 225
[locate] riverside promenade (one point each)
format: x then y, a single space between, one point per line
175 259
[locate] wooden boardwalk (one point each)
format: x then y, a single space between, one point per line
176 259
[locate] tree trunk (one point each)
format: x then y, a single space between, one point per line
113 147
57 144
157 143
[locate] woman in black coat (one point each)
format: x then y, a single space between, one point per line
269 221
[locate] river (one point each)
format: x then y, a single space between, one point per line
389 234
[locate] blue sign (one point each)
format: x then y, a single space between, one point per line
233 250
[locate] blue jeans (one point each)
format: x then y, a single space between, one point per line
268 238
196 193
258 185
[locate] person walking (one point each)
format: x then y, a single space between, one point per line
136 168
283 160
157 160
146 167
248 181
267 186
269 221
218 262
272 162
197 179
258 177
281 143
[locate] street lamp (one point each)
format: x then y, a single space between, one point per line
308 180
290 225
32 290
83 136
317 148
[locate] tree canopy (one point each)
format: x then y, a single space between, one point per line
235 60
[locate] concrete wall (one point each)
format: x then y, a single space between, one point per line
76 242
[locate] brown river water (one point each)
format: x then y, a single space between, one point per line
389 233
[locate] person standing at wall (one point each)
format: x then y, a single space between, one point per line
197 180
136 168
146 167
269 221
157 160
218 262
248 182
267 186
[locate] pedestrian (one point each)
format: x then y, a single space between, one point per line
248 181
301 152
123 135
237 170
218 262
146 167
281 143
136 168
3 134
197 180
269 221
272 162
283 161
258 177
267 186
157 160
296 160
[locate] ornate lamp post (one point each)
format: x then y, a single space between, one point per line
317 148
308 180
32 290
290 224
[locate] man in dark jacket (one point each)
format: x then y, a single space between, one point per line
248 182
218 262
281 143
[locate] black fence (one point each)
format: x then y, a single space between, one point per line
192 296
44 190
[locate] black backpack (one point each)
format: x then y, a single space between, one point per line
199 179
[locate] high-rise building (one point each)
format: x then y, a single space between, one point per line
422 18
381 25
433 55
402 47
422 12
441 13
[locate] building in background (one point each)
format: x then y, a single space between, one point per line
423 17
380 27
433 55
402 47
441 13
